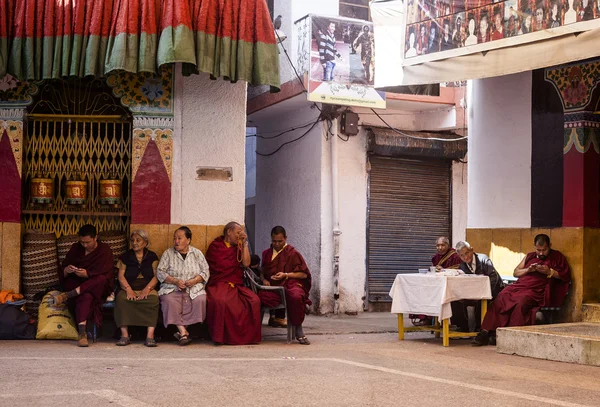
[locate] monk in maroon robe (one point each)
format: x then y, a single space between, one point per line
446 257
232 310
284 266
87 275
544 278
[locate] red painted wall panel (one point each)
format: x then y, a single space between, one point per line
151 190
581 192
10 183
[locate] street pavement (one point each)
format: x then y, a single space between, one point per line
352 361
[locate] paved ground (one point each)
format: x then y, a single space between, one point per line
353 361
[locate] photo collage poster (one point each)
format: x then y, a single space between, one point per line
441 25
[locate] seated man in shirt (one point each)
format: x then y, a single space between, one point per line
474 263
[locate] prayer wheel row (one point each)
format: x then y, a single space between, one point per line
42 192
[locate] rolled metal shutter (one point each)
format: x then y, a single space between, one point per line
409 207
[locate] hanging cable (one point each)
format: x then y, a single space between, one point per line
294 68
290 141
415 137
280 134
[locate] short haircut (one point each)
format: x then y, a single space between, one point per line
497 10
461 245
229 226
141 233
278 230
446 240
186 231
88 230
541 240
255 259
446 21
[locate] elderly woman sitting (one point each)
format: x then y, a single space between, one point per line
184 272
136 297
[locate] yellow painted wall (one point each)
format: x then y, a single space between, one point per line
10 256
161 236
507 247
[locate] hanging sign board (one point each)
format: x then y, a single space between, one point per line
337 57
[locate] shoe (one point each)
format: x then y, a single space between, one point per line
277 322
59 299
150 343
482 339
492 341
182 339
303 340
124 341
82 340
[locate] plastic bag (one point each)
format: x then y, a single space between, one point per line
55 321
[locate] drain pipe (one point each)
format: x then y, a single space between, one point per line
336 217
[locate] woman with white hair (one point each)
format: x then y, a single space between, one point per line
136 300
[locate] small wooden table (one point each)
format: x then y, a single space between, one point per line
431 294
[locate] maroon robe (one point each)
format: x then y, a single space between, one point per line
232 310
99 265
289 260
518 303
450 260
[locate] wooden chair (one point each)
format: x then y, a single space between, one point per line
256 288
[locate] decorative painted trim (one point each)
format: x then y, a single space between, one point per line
15 93
153 122
14 131
575 83
144 93
163 138
582 138
12 114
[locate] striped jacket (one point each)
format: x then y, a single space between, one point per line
327 49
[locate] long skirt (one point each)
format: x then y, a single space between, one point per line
136 312
179 309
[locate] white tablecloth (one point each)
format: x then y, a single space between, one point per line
431 293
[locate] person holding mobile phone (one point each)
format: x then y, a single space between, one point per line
87 276
543 280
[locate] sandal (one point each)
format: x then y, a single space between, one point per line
182 339
124 341
150 343
303 340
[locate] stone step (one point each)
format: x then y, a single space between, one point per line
574 342
591 312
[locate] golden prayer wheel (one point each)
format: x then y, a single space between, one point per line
76 192
110 192
42 191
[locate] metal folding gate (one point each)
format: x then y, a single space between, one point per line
409 207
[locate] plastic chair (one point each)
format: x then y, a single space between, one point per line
256 288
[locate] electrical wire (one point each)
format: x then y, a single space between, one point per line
290 141
280 134
294 68
415 137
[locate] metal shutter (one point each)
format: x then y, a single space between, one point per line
409 207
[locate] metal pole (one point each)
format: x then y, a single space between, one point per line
336 218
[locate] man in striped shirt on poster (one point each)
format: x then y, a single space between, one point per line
327 51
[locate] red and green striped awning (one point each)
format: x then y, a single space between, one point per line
43 39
